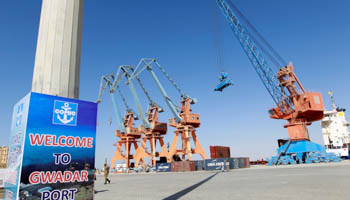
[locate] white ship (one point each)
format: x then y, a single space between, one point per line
336 135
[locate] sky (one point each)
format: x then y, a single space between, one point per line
181 35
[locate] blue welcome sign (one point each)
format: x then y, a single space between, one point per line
52 149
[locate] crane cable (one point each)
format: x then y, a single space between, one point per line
169 79
217 32
144 90
110 120
273 54
124 100
183 95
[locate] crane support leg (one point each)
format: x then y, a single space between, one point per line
142 157
117 155
188 148
183 145
198 147
187 132
164 152
127 151
172 150
153 150
141 152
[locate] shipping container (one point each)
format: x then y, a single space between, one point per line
200 165
219 152
231 163
183 166
216 164
213 152
192 165
246 162
241 163
163 167
176 166
235 162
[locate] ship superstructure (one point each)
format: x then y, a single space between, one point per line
335 131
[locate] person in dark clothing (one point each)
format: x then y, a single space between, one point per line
106 172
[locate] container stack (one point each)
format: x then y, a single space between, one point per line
204 165
220 159
218 164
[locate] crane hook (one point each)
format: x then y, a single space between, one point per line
224 82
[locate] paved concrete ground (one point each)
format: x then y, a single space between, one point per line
299 182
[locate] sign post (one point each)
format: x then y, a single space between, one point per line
52 149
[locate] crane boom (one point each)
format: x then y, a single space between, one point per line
256 57
147 66
123 71
106 81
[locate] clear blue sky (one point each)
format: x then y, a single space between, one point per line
313 34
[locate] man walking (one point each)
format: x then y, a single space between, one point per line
106 172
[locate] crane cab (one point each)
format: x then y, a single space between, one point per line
192 119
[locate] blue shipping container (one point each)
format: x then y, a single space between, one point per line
200 165
216 164
241 163
235 162
163 167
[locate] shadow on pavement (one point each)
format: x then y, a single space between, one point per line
189 189
98 191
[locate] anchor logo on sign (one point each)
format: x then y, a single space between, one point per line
65 113
66 110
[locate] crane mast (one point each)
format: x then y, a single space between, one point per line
107 81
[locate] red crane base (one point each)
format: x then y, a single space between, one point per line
297 130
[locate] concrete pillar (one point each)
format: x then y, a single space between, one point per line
57 59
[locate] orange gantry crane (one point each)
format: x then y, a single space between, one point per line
184 121
186 128
128 138
152 129
154 133
128 134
